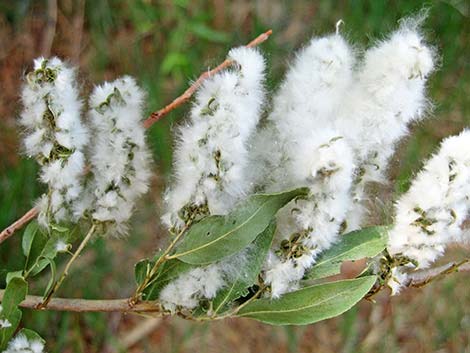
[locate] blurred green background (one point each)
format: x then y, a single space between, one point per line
165 44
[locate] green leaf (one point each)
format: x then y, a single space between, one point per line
141 269
13 274
7 333
36 247
168 271
28 237
248 272
216 237
15 293
311 304
367 242
51 281
43 258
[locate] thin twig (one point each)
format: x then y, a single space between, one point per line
421 278
148 278
153 118
8 232
67 267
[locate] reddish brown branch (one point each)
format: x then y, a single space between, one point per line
8 232
153 118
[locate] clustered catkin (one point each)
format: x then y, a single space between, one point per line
57 136
119 156
211 156
431 213
334 124
211 163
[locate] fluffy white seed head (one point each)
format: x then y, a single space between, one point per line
211 153
388 93
313 87
301 147
324 164
304 105
199 283
119 156
56 136
430 215
21 344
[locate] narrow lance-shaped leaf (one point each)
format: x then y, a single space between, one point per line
311 304
33 244
14 294
28 237
44 251
31 335
367 242
216 237
248 272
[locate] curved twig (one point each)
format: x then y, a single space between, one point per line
421 278
154 117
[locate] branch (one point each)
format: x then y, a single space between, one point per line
8 232
89 305
153 118
416 279
421 278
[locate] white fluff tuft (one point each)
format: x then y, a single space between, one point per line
21 344
387 94
211 154
301 148
305 103
431 213
324 164
120 158
55 135
203 282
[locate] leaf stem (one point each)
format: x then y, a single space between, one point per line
82 245
164 257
